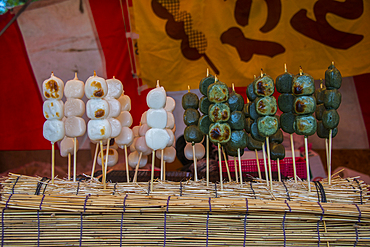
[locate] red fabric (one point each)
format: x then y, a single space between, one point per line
362 88
111 31
21 109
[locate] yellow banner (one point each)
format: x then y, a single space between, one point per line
180 39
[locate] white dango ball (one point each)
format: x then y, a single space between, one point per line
135 129
75 126
96 87
132 146
53 87
126 137
74 88
169 154
116 127
170 121
199 151
53 130
133 159
53 109
74 107
114 108
115 88
170 104
143 129
67 146
156 98
125 119
156 118
172 137
99 129
141 146
156 138
125 102
97 109
112 157
143 118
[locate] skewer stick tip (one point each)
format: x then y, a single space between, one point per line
207 72
188 88
233 87
94 73
157 83
76 78
300 70
285 68
261 72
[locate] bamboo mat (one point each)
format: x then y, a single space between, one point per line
157 220
35 212
344 191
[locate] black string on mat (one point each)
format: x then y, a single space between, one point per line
114 188
245 221
78 187
2 220
15 182
359 186
81 226
46 185
38 221
39 185
180 188
216 190
165 222
286 190
254 193
358 222
318 224
210 210
290 210
123 212
322 191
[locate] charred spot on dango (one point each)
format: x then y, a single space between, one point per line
99 92
300 106
53 87
99 113
260 87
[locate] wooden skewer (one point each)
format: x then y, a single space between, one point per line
69 166
103 165
307 163
278 168
107 155
219 164
195 163
207 72
329 151
162 164
94 162
52 162
258 165
285 68
265 165
75 157
207 159
226 164
164 170
152 174
293 158
127 169
137 167
240 167
269 160
236 171
157 83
